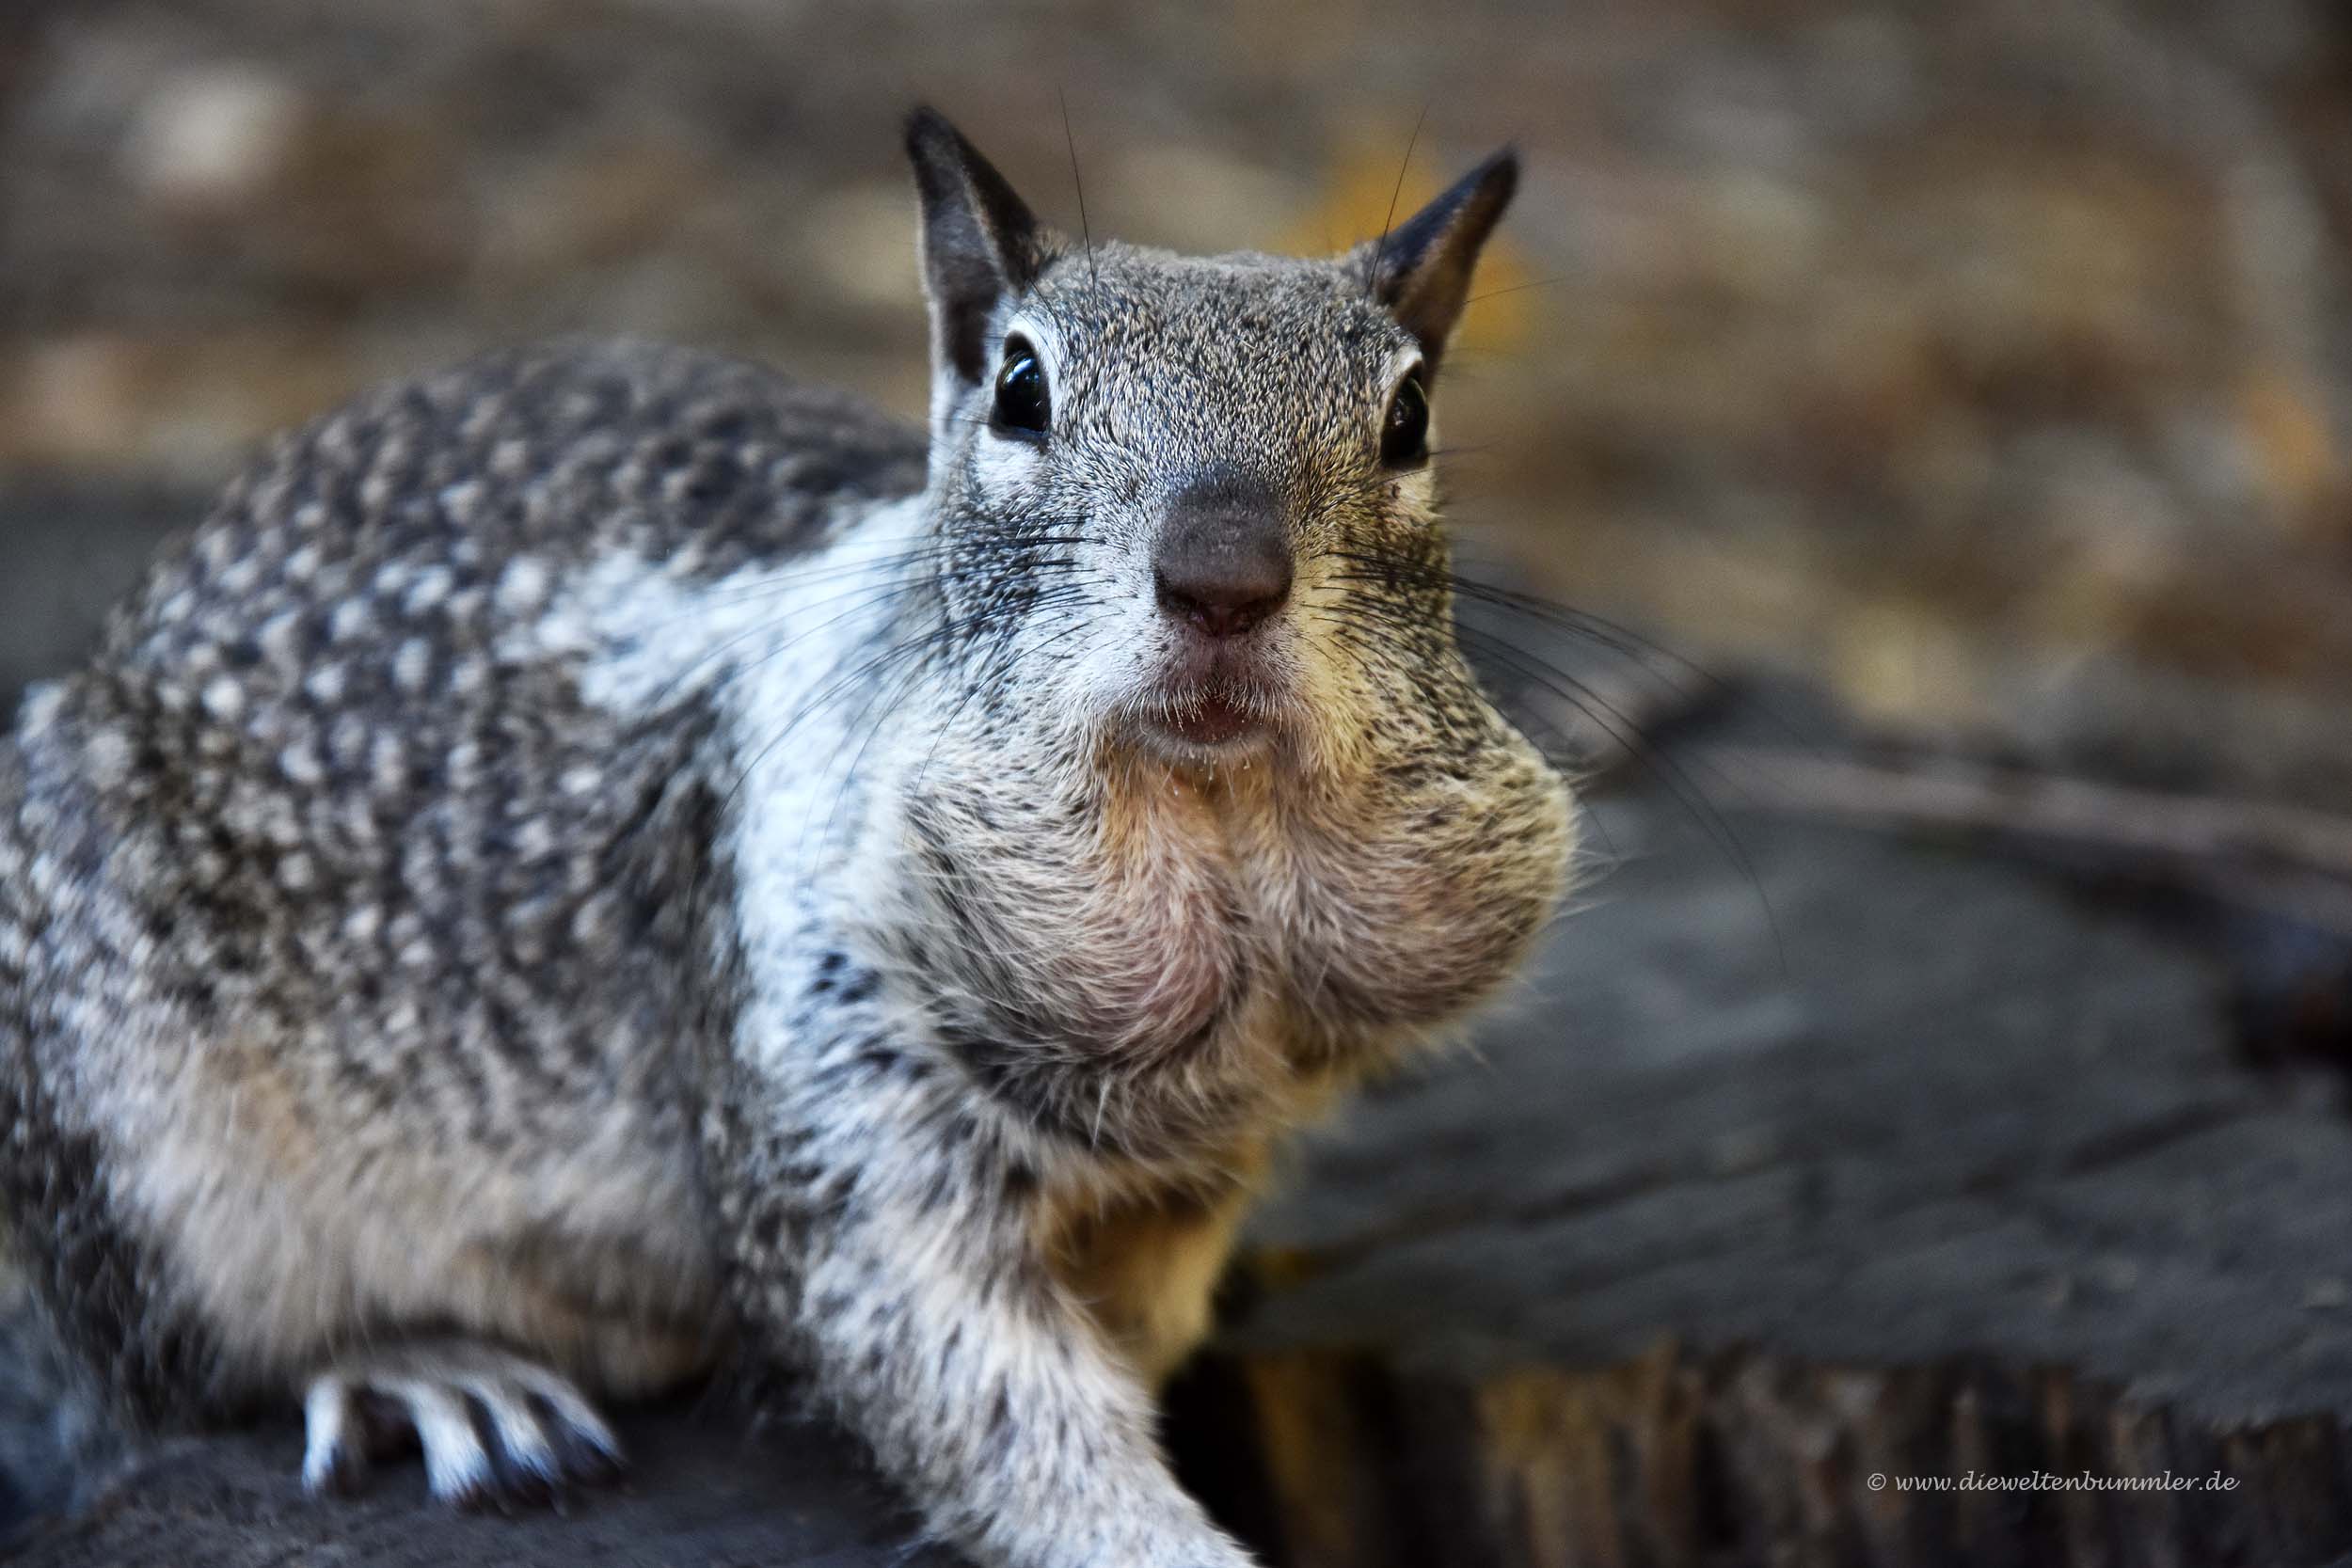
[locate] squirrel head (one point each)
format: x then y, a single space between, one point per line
1196 493
1210 752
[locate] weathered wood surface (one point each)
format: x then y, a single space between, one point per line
1699 1242
700 1493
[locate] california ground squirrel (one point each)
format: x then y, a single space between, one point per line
607 863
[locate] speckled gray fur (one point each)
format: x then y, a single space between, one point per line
606 862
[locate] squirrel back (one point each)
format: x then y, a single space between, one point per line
605 858
316 810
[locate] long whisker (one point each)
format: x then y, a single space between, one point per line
1624 732
870 596
851 680
1514 289
1567 619
1086 232
895 565
996 669
830 570
1379 250
1008 618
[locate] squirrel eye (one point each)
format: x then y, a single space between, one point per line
1405 431
1021 403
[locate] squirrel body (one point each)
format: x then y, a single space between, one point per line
607 863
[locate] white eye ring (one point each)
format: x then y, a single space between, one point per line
1405 422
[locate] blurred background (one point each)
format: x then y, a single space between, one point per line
1983 361
1969 378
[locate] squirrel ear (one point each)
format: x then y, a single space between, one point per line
1421 269
980 242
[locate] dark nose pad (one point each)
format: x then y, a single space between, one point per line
1223 563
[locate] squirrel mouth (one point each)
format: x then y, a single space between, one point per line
1213 701
1225 712
1210 719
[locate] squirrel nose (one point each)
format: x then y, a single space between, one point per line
1223 561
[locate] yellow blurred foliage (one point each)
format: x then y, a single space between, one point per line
2287 429
1358 194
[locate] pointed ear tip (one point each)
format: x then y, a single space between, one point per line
926 130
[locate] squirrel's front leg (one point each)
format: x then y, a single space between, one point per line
884 1247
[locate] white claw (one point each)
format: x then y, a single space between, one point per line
456 1465
333 1454
492 1425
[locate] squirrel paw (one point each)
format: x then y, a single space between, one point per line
497 1431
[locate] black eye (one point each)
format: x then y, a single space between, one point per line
1021 403
1404 432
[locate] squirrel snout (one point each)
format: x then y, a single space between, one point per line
1223 561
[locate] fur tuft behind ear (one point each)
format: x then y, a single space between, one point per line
1422 269
979 241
